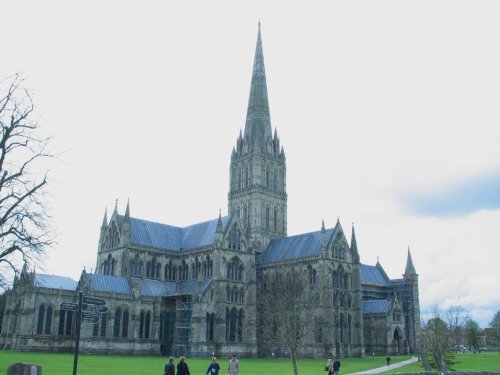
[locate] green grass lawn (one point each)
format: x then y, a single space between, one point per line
62 364
486 361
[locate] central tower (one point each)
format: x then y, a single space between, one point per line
257 187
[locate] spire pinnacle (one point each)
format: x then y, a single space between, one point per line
219 223
105 218
410 268
127 211
323 225
258 122
354 244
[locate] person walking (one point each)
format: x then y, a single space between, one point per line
234 366
336 366
388 359
214 367
169 367
182 367
329 367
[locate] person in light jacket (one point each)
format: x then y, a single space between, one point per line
234 366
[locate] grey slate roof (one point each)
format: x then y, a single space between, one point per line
120 284
111 284
372 275
163 236
376 306
300 246
55 282
157 288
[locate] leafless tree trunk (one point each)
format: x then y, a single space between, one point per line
438 337
24 221
286 303
456 317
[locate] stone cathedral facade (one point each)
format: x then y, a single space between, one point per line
193 290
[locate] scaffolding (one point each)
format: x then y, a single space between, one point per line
182 325
175 326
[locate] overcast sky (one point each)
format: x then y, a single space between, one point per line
388 112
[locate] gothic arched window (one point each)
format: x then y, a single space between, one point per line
65 323
235 238
158 268
312 275
235 270
41 319
210 326
125 323
117 322
241 317
231 324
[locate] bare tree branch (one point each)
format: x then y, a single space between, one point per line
25 229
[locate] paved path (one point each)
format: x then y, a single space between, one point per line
385 368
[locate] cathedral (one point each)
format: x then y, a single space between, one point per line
192 290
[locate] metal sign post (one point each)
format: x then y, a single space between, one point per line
78 325
94 307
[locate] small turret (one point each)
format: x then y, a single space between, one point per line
354 246
104 226
219 234
323 234
125 237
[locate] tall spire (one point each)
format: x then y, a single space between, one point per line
410 268
258 123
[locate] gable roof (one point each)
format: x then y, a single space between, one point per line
167 237
299 246
55 282
372 275
376 306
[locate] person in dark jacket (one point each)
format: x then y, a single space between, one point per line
388 359
336 366
182 367
213 368
169 367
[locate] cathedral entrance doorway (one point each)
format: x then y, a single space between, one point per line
397 341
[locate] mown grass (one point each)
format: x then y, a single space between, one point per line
62 364
486 361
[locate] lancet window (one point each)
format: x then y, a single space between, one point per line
235 238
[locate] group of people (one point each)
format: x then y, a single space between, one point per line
332 367
213 369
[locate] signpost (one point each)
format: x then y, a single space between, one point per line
68 306
94 307
90 317
93 301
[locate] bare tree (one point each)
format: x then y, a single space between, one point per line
286 302
437 339
24 221
456 317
